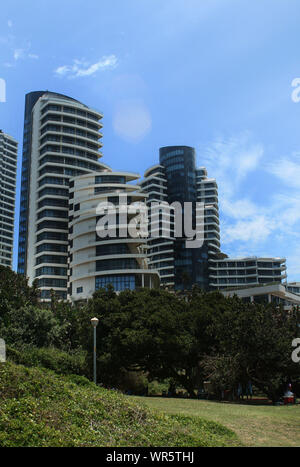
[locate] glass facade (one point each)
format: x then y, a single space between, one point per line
119 283
110 179
191 265
46 294
112 249
113 264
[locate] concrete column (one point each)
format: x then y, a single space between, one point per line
269 298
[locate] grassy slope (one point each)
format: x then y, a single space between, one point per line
40 408
255 425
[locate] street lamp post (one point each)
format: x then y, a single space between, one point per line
95 322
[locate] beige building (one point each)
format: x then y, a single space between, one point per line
101 254
251 271
61 140
271 293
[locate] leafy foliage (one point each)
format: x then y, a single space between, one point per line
66 363
15 291
39 408
181 338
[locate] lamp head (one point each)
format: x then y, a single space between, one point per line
94 322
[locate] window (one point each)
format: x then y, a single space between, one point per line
52 213
119 283
113 249
52 225
53 202
79 289
60 283
53 191
113 264
176 152
52 236
53 181
51 271
174 167
58 259
110 179
103 189
58 293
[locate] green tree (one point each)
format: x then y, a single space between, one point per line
15 291
259 339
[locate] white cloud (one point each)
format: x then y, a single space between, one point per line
268 227
239 209
231 160
252 230
287 169
24 53
19 50
81 68
62 70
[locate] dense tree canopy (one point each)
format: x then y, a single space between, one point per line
186 338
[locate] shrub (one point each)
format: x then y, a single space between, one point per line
133 382
73 362
39 408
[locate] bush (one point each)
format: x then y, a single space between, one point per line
66 363
41 409
32 326
156 388
132 382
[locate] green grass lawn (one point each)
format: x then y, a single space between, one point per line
255 425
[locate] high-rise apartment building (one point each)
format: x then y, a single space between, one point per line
103 254
244 272
8 173
177 180
293 287
61 140
62 184
160 242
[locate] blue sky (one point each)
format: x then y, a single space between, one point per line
212 74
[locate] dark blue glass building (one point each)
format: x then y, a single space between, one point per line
177 179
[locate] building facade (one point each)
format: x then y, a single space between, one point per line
275 294
243 272
177 180
160 242
102 250
8 173
293 287
61 140
63 183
